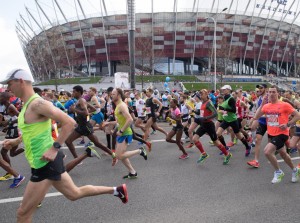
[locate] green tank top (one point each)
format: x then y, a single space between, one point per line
220 114
228 116
36 137
121 121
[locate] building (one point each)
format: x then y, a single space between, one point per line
253 37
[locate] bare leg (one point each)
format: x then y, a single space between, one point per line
69 142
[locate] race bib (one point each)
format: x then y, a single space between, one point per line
201 113
148 110
225 114
272 120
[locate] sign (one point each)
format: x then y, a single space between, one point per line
279 6
121 80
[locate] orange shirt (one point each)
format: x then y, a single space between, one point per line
277 114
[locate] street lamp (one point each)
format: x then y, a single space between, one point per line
215 49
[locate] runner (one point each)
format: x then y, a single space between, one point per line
207 113
277 115
42 153
124 134
176 121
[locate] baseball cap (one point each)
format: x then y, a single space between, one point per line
226 87
16 74
261 85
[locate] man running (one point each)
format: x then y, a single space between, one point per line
42 153
277 115
124 133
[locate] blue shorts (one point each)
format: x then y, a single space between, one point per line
98 118
127 138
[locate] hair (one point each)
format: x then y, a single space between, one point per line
78 88
56 95
275 86
6 95
121 93
183 96
93 89
38 90
68 94
50 95
110 89
175 101
150 90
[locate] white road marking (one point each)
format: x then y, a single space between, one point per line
293 158
15 199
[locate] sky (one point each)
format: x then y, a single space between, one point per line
12 56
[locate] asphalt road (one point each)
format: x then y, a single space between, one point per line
168 190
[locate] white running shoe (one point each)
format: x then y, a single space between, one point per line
295 175
278 175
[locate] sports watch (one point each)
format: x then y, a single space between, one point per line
56 145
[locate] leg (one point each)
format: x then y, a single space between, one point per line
34 194
69 142
8 168
178 141
123 155
170 136
95 140
159 128
70 166
270 154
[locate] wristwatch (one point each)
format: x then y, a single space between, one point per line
56 145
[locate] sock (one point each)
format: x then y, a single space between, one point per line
223 149
200 147
244 141
116 193
222 140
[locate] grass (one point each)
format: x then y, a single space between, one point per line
77 80
162 78
246 86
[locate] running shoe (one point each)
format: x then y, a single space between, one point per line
7 176
253 163
227 159
131 176
89 144
202 158
230 144
294 150
253 144
114 159
184 156
227 148
189 145
149 145
122 193
278 175
81 143
17 181
92 152
143 152
235 141
153 132
248 150
211 142
295 175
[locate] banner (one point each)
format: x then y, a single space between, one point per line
121 80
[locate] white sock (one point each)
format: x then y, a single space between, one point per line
116 193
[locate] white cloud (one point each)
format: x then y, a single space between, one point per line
11 53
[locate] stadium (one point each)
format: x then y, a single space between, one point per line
253 37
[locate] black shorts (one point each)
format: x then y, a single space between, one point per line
177 128
261 129
278 141
152 116
85 130
52 171
234 125
197 120
209 128
297 131
12 133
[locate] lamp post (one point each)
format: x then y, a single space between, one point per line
131 28
215 49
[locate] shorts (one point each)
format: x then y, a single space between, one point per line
142 118
98 118
234 125
177 128
127 138
297 131
261 129
209 128
12 133
152 116
51 171
85 130
197 120
278 141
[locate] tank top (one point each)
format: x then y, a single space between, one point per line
204 112
239 109
184 111
80 119
150 106
228 116
121 121
36 137
197 110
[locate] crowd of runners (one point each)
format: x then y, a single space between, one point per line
44 120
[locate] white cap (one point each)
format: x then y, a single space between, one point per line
226 87
16 74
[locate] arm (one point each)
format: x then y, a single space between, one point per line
212 108
231 103
159 103
258 113
296 117
82 103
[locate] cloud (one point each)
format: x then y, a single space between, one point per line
11 53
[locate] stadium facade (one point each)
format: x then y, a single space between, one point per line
252 37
